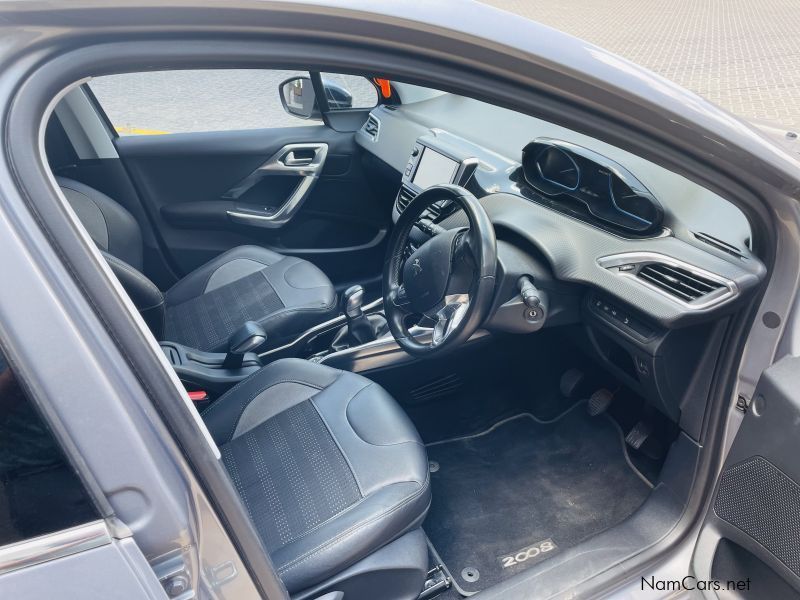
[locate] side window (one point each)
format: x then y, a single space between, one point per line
349 91
160 102
39 491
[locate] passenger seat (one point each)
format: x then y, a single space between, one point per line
286 295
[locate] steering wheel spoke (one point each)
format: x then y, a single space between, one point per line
449 317
400 300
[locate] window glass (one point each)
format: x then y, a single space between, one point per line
39 491
159 102
349 91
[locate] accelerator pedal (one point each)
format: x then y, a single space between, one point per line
599 402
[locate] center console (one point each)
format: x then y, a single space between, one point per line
434 159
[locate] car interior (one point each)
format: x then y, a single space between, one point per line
440 344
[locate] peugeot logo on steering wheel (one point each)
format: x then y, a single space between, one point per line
416 267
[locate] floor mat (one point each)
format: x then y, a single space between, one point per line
521 492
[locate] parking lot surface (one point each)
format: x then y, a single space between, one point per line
743 55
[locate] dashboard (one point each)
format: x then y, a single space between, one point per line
645 262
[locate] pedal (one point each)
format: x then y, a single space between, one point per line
571 380
436 581
599 402
638 435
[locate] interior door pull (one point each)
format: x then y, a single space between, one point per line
290 160
303 160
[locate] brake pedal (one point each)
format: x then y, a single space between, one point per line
599 402
638 435
570 382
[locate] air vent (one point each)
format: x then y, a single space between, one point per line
404 198
718 244
678 282
372 128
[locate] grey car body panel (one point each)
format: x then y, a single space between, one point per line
117 569
477 51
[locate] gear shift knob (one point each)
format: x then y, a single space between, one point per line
352 300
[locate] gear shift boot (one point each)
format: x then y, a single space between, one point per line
377 327
360 328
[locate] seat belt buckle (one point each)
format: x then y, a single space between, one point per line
198 396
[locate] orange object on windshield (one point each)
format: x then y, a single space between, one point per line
385 86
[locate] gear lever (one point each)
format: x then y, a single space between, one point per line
359 329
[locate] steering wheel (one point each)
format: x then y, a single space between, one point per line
449 279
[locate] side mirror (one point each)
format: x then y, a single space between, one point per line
298 98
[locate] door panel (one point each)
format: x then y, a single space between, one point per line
209 192
753 527
111 569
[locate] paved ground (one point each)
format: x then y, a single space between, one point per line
183 101
741 54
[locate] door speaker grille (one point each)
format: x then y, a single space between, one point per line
761 500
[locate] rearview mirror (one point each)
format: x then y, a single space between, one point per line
300 100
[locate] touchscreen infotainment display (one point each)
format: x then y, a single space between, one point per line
434 168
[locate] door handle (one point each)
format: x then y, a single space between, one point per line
287 161
290 160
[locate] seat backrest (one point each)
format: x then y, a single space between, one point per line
111 226
117 234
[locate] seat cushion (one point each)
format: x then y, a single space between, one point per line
286 295
328 465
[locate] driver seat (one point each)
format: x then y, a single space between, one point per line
331 471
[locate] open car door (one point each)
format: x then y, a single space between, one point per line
749 545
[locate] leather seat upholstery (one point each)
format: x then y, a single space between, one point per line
328 465
286 295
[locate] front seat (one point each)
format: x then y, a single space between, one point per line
286 295
328 465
